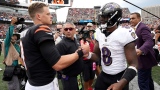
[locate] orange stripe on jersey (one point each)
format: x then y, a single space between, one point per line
43 28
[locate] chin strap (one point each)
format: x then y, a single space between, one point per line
105 32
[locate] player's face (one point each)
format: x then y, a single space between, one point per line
69 31
103 19
134 20
60 28
45 17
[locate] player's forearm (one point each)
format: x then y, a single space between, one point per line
94 57
65 61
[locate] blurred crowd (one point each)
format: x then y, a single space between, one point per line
76 14
6 16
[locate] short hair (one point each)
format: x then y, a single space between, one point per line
70 24
59 24
36 7
137 14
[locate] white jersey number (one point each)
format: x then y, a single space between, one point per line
106 55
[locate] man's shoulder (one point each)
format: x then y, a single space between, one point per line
142 25
124 30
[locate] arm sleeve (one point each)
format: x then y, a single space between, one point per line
148 41
49 52
8 39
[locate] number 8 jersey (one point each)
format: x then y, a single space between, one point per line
113 58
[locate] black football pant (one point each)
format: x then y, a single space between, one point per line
105 80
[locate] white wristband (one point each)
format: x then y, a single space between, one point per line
132 67
90 55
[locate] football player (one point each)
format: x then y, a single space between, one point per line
116 45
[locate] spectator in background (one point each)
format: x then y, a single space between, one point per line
59 33
71 76
157 34
145 52
157 43
12 51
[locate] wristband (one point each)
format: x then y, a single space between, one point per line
89 56
130 73
134 68
80 53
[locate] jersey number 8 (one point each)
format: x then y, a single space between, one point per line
106 53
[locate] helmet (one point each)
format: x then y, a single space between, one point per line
113 12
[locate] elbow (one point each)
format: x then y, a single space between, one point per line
57 67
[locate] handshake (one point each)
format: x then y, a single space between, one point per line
83 50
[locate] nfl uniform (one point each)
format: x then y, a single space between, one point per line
113 58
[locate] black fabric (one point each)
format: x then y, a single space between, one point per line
157 54
39 62
50 53
88 72
105 80
42 36
80 53
70 84
8 73
19 72
68 46
129 74
145 81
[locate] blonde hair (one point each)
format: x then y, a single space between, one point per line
36 7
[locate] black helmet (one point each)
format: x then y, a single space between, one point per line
113 12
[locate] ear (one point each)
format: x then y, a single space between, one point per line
38 16
74 30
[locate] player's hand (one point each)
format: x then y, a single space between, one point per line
115 86
85 48
13 20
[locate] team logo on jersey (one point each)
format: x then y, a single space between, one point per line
49 33
133 35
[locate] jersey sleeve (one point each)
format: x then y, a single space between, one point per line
127 36
49 52
43 33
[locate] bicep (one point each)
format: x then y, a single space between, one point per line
130 53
